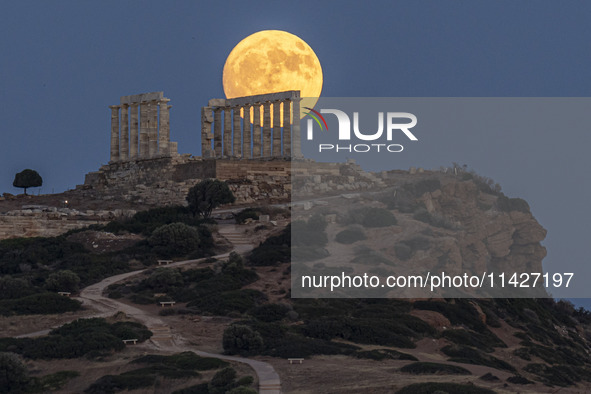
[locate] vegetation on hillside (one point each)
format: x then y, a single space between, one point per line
83 337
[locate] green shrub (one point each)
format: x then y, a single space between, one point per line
207 195
114 383
420 368
384 354
175 239
240 339
484 340
76 339
468 355
489 377
12 288
311 233
64 280
372 217
145 222
432 387
14 376
33 253
403 251
417 189
37 304
292 345
519 380
350 235
222 381
308 253
162 279
506 204
274 251
242 390
433 219
202 388
270 312
558 375
185 360
367 331
248 213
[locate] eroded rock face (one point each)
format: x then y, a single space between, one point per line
486 237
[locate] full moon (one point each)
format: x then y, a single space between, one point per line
272 61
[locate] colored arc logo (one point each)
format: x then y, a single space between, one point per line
315 117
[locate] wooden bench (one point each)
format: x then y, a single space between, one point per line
126 341
64 293
164 262
156 295
295 360
169 303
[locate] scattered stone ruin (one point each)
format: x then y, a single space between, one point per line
140 128
224 134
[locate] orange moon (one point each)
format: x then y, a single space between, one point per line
272 61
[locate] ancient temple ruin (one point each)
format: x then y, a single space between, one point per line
227 130
140 128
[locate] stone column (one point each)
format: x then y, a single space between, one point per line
153 129
296 142
164 135
114 133
217 132
206 135
256 132
124 152
133 142
246 151
227 132
267 129
237 135
144 142
277 129
286 128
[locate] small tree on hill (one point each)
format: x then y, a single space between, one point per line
26 179
174 239
207 195
65 280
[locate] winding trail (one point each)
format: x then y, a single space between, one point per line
164 339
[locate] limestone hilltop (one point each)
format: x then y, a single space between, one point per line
262 167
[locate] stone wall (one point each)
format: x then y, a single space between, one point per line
51 221
166 181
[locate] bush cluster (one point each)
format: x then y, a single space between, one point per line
77 339
350 235
371 217
273 251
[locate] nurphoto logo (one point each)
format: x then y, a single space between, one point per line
391 122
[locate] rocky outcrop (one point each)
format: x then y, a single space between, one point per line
485 237
51 221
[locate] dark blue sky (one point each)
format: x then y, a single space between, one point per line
63 62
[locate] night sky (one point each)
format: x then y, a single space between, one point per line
63 63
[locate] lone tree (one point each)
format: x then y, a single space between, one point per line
207 195
64 280
27 178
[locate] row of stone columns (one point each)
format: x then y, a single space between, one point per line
153 133
248 138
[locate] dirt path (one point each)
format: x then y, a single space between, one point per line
164 339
